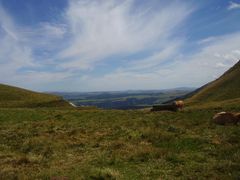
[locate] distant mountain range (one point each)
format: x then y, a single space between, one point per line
123 91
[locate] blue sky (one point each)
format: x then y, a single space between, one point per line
100 45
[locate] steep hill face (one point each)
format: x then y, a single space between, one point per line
225 88
17 97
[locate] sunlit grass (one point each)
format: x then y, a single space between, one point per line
101 144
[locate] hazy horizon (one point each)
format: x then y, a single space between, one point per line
124 90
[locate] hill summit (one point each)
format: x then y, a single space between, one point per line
17 97
225 88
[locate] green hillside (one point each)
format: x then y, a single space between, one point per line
225 88
17 97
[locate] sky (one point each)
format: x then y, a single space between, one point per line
112 45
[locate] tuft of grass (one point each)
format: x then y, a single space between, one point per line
105 173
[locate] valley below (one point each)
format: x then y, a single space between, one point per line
123 99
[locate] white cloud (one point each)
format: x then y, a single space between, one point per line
221 65
207 40
189 70
53 30
17 45
93 32
236 52
101 29
13 54
154 61
233 5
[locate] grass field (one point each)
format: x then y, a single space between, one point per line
112 144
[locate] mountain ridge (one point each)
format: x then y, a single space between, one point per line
226 87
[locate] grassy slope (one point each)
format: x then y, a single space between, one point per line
225 88
100 144
17 97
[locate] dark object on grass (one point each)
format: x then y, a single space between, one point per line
175 106
224 118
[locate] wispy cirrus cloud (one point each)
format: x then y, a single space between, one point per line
13 54
233 5
113 45
192 70
18 46
156 59
90 32
100 29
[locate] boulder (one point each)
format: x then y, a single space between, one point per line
224 118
